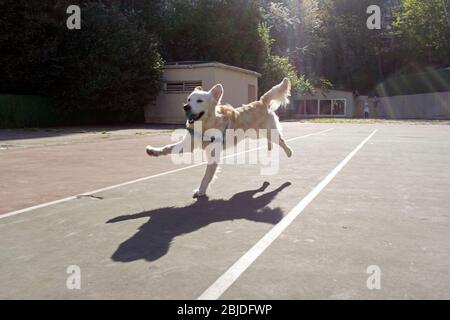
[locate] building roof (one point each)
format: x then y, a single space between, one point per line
206 64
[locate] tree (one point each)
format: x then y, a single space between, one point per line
310 44
221 30
237 32
275 68
111 66
105 72
350 51
282 17
29 42
424 32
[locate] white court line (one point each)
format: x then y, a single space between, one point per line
230 276
47 204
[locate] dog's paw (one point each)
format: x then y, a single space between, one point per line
289 152
153 152
198 193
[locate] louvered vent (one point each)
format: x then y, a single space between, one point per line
182 86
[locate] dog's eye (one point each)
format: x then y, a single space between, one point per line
199 101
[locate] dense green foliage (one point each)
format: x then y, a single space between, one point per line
112 66
423 29
329 39
235 32
109 65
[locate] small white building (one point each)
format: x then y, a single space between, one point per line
181 78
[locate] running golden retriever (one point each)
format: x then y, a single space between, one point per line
205 106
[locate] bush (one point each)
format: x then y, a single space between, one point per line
111 67
275 68
109 70
28 42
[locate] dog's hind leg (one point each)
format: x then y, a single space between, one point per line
285 147
269 141
277 134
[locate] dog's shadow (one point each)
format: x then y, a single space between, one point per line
154 237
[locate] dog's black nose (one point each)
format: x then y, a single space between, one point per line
187 107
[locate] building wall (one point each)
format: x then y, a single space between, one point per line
351 103
235 85
416 106
168 107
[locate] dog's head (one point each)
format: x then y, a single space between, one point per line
201 103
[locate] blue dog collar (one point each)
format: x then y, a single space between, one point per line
206 138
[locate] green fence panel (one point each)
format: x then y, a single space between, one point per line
26 111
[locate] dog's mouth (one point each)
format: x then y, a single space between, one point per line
192 117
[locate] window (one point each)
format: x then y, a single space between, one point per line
325 107
251 93
339 107
311 107
181 86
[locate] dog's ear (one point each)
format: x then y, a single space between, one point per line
217 92
198 89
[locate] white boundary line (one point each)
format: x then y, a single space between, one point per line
47 204
230 276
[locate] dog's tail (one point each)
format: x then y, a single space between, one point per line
278 95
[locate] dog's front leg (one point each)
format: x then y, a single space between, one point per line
180 146
209 175
213 157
